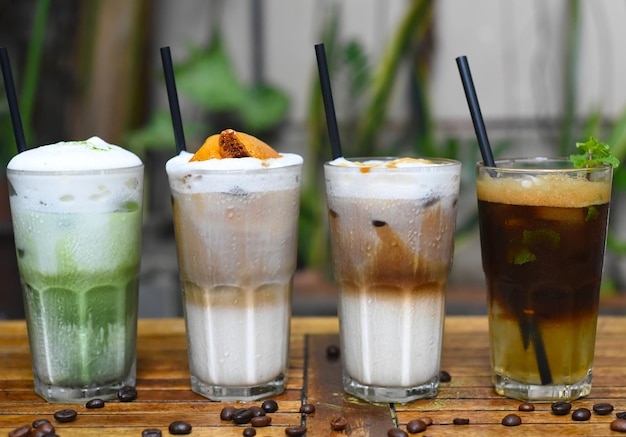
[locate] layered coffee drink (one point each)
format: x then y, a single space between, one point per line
392 225
543 235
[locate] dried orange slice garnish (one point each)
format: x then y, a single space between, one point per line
209 150
240 145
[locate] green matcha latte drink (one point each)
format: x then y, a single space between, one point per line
76 209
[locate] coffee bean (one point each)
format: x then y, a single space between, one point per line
618 425
151 433
270 406
295 431
526 407
396 432
95 403
338 423
260 421
427 420
227 413
621 415
249 432
581 414
461 421
511 420
37 423
22 431
64 416
242 415
416 425
444 376
307 409
127 394
333 352
602 409
179 427
256 411
45 428
561 408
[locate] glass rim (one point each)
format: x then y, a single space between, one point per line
117 170
440 162
538 164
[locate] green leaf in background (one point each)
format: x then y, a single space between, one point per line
263 107
159 133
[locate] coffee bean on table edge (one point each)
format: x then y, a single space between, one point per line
444 376
260 421
179 428
602 409
249 432
307 409
332 352
44 428
295 431
65 416
37 423
416 425
561 408
621 415
270 406
151 433
526 406
396 432
22 431
242 415
338 423
427 420
227 412
256 411
618 425
461 421
95 403
127 393
581 414
511 420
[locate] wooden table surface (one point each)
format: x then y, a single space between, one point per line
165 395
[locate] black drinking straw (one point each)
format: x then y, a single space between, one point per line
172 96
329 106
528 327
9 85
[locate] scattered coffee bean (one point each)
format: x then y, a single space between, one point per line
260 421
602 409
427 420
561 408
333 352
511 420
256 411
127 394
249 432
151 433
621 415
242 415
416 425
22 431
95 403
396 432
179 427
581 414
461 421
37 423
227 413
295 431
338 423
45 428
307 409
526 406
270 406
444 376
618 425
64 416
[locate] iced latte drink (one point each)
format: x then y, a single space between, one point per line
392 225
543 229
235 221
76 209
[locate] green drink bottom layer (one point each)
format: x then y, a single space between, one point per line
79 275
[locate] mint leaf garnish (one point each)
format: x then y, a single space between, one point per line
593 153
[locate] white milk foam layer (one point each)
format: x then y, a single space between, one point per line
399 179
89 176
188 177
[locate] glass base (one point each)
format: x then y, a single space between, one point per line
234 393
401 395
505 386
80 395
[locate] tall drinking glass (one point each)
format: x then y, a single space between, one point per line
77 213
392 225
543 229
236 224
